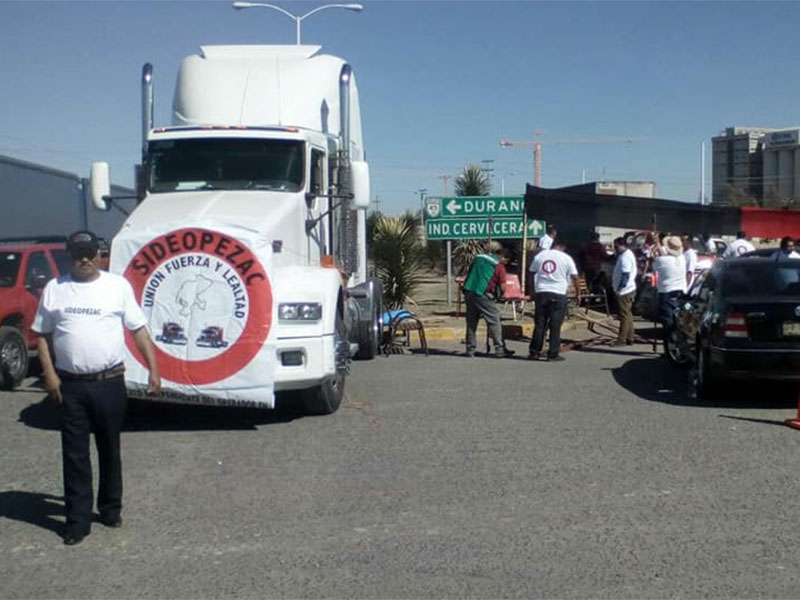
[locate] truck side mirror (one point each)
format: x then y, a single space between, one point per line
100 185
359 179
140 179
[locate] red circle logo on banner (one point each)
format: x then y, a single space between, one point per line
207 299
549 266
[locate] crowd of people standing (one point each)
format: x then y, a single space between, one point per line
670 260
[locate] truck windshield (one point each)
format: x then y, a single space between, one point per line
225 164
9 267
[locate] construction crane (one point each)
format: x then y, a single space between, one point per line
537 142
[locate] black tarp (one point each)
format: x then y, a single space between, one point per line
576 211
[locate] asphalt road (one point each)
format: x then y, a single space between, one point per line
440 477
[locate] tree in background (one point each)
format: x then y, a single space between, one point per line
471 182
398 257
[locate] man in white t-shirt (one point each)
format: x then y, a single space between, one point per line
670 267
690 258
623 282
552 271
546 242
739 246
81 348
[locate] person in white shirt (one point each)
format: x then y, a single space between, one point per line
546 242
690 258
739 246
623 282
81 346
552 269
670 267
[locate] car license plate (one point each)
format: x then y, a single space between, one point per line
791 329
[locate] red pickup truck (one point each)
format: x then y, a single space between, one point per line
25 267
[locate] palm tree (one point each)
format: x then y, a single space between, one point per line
472 182
398 257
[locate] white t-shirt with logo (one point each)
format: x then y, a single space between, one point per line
553 270
690 257
546 242
737 248
626 263
671 272
85 319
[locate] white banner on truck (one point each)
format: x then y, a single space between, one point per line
207 295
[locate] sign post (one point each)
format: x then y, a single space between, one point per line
449 273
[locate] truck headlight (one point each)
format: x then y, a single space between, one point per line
300 311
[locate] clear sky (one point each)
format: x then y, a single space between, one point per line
441 82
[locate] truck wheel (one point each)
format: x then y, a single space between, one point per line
13 358
326 398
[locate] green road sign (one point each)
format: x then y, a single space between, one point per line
474 206
466 229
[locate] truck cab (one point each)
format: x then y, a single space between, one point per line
251 222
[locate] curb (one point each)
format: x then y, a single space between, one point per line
511 331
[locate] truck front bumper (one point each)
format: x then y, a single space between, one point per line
304 362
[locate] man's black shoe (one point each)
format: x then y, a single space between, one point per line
504 353
555 358
73 539
113 522
534 356
469 354
617 343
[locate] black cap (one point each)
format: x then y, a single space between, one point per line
82 243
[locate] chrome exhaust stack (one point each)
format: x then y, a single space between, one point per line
147 105
348 235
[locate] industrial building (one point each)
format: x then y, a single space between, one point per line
40 201
737 164
634 189
782 166
757 165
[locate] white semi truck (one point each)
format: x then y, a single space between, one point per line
247 248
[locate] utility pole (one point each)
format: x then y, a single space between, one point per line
445 178
421 192
377 203
487 168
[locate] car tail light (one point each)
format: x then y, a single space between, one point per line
734 325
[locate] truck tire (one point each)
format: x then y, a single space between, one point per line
369 336
13 357
326 398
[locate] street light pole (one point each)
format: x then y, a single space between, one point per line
297 19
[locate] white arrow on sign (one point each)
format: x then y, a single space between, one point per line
452 206
537 227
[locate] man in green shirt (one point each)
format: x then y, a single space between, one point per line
482 287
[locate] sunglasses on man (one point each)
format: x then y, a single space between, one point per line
78 255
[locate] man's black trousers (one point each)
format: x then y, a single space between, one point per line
97 406
550 311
